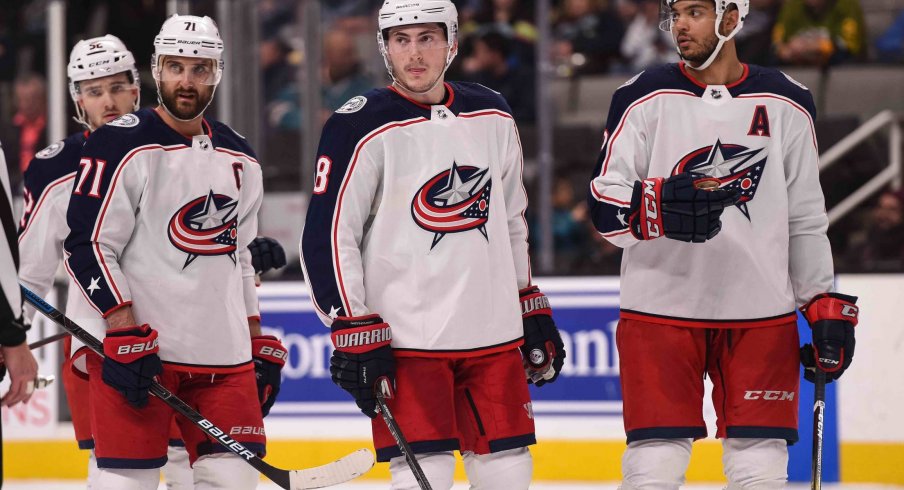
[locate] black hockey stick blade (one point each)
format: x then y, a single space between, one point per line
346 468
396 432
819 408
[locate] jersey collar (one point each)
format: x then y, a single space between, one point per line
450 97
696 82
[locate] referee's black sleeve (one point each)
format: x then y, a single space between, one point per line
11 330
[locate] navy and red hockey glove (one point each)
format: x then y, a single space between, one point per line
684 207
269 356
362 359
832 319
131 362
543 351
266 254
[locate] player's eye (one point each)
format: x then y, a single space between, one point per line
117 89
94 92
201 70
174 67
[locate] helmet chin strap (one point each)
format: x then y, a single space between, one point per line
718 48
709 61
168 111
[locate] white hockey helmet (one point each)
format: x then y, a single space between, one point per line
396 13
99 57
190 36
722 6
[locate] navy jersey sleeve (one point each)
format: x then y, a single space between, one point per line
101 214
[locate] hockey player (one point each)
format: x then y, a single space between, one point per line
415 251
17 358
708 178
162 209
103 84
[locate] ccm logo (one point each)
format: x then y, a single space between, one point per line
769 395
849 310
137 348
277 353
652 211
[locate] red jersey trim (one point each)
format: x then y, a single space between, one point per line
459 354
683 68
115 308
47 191
701 323
425 106
237 154
200 368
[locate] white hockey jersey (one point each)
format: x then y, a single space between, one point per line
756 136
417 214
162 222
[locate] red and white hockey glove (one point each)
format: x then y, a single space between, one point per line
362 359
832 319
131 362
543 352
684 207
269 356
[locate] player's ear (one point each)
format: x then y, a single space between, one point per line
729 19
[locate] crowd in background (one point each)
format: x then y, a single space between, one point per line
498 40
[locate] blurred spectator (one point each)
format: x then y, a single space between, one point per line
492 65
587 37
890 45
754 41
879 247
645 44
512 18
352 16
28 134
819 32
276 71
343 74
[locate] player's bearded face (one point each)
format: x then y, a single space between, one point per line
692 26
184 86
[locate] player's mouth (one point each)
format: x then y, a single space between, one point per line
185 96
684 42
416 71
109 116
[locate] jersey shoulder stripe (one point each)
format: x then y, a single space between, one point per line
224 137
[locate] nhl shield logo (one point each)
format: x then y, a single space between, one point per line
453 201
206 226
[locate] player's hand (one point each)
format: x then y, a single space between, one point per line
543 352
131 362
832 319
269 357
362 359
23 369
680 207
266 254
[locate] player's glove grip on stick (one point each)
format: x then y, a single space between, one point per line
543 351
684 207
832 318
269 356
131 362
362 358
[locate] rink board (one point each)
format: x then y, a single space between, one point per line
578 418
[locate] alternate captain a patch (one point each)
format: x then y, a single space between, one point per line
453 201
207 226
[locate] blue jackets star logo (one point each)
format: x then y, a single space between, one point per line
206 226
736 167
453 201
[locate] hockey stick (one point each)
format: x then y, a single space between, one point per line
819 408
396 432
47 340
339 471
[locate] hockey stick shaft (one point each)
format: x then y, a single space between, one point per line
819 408
396 432
289 480
48 340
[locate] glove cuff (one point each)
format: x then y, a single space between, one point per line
270 349
357 335
533 302
645 220
128 344
831 306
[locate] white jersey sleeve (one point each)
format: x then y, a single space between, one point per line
516 205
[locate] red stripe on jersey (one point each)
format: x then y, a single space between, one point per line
348 175
458 354
237 154
196 368
683 67
615 233
47 191
491 112
103 212
695 323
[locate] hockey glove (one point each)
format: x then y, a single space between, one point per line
269 356
543 352
266 254
131 362
678 207
362 358
832 319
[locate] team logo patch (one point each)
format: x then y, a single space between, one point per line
453 201
125 121
51 151
353 105
734 166
206 226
